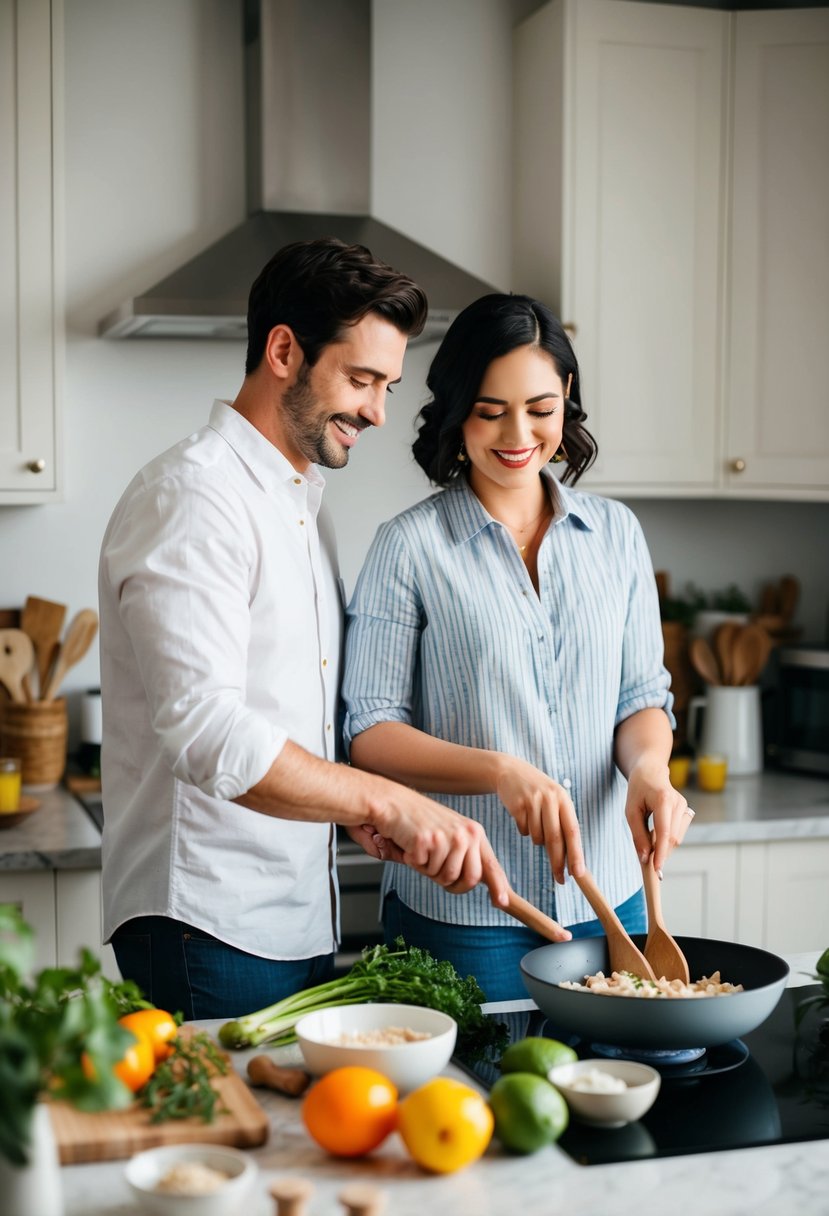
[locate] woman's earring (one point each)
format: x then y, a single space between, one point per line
462 457
561 454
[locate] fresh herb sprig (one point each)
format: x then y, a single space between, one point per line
181 1085
406 975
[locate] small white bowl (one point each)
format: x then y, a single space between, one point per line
608 1110
145 1170
407 1065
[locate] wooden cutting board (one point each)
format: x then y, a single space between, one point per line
110 1135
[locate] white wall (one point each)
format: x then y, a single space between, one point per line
153 121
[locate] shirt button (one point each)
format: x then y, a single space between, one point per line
325 662
297 481
328 727
301 523
567 783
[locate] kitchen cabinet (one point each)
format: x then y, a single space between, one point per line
660 231
65 911
777 417
773 894
31 343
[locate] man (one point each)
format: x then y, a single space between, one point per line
221 629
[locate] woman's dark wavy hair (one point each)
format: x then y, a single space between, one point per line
491 327
321 287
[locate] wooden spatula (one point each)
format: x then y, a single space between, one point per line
17 657
79 637
661 951
623 952
43 621
750 652
533 918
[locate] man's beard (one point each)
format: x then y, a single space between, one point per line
307 425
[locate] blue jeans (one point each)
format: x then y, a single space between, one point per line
179 967
490 952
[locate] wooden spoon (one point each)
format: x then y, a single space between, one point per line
624 954
750 653
704 661
661 951
533 918
79 637
17 657
723 647
43 621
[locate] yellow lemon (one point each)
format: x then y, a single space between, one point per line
445 1125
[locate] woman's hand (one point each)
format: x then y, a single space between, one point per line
650 793
543 810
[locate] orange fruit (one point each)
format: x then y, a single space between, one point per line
154 1024
350 1111
134 1069
445 1125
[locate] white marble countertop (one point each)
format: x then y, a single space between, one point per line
59 835
769 1181
767 806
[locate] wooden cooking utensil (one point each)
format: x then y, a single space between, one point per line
17 657
79 637
43 621
624 954
704 661
533 918
750 652
661 951
788 596
723 647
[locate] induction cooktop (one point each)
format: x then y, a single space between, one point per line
771 1087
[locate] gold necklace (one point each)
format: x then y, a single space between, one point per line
546 511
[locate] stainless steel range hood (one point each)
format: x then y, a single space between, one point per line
308 148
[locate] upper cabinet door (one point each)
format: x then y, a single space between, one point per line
642 279
778 417
619 129
30 321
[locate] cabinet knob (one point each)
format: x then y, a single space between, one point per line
738 465
36 466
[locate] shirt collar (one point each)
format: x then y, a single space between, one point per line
466 516
269 466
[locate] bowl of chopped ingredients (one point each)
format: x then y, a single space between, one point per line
606 1093
192 1179
733 989
409 1044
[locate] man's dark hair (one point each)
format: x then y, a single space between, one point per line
319 288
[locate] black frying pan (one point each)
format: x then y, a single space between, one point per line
655 1023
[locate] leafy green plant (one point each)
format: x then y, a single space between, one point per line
408 975
50 1022
819 999
730 599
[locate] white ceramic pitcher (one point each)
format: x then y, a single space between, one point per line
731 726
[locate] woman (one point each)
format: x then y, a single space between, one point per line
504 652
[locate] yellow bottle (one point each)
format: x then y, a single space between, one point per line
10 778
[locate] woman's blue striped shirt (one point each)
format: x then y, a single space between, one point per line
447 633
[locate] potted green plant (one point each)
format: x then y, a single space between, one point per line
59 1040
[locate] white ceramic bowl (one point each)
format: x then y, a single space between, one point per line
407 1065
608 1110
145 1170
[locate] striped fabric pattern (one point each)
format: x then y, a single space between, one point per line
446 632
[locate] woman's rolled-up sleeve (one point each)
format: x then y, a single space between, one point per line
645 681
384 624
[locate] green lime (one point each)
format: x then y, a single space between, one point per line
536 1055
529 1112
